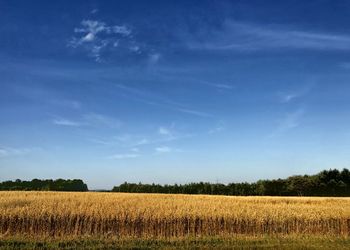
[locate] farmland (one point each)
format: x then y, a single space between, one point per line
161 217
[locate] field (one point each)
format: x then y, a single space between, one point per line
56 217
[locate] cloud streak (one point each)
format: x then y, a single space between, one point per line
123 156
240 36
11 152
290 121
163 149
66 122
72 104
154 100
89 119
194 112
287 97
97 120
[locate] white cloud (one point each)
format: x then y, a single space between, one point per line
67 103
89 37
94 11
134 142
95 36
101 141
135 150
135 48
164 131
290 96
220 86
193 112
123 156
94 119
66 122
90 119
154 58
121 30
163 149
91 28
141 142
96 50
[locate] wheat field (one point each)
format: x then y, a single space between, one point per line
162 216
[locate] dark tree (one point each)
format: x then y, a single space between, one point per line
326 183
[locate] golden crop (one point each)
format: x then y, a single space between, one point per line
59 214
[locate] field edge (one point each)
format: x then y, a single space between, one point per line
235 242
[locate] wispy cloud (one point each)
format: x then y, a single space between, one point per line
170 134
90 119
135 149
123 156
96 36
155 100
95 119
135 141
124 140
163 149
290 121
289 96
66 122
220 86
141 142
91 28
194 112
174 74
72 104
166 150
218 128
154 58
44 94
11 152
94 11
247 36
164 131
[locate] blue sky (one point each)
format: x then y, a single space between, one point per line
173 91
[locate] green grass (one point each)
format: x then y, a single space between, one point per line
236 242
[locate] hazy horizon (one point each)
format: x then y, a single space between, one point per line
173 92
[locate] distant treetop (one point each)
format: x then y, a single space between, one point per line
45 185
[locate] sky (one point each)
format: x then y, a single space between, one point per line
173 91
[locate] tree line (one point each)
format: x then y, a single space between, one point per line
45 185
326 183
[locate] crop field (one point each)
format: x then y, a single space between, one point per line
119 216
